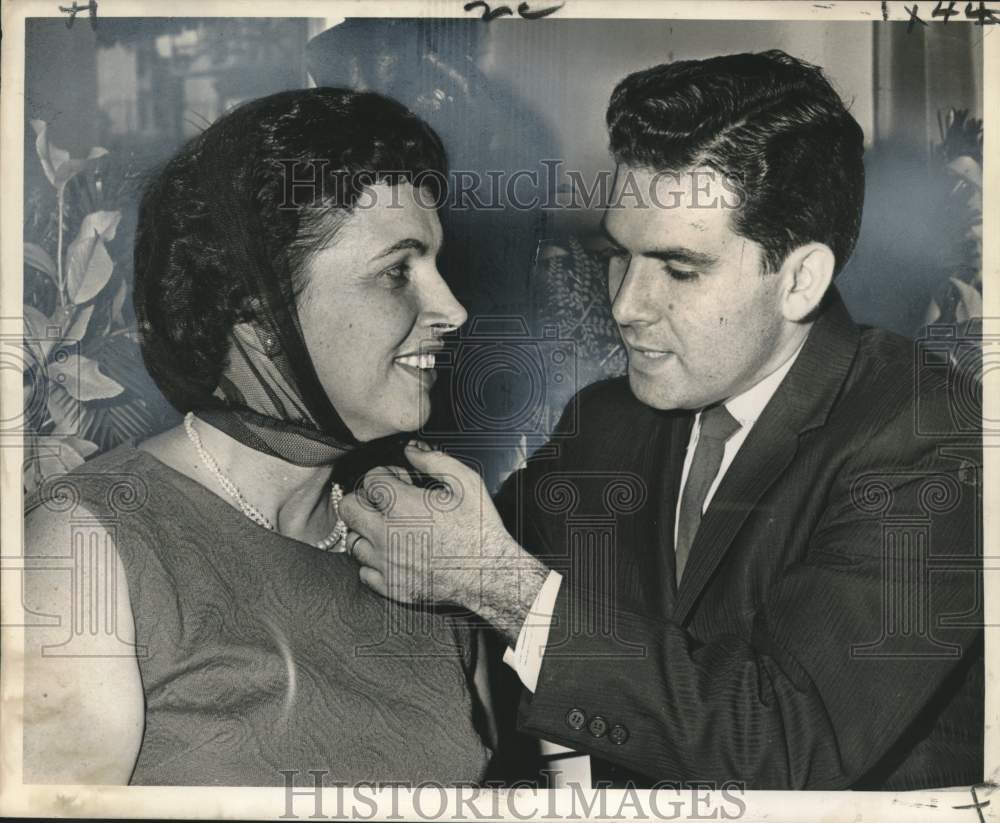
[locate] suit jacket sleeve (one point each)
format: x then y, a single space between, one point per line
795 703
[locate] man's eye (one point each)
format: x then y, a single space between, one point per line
681 274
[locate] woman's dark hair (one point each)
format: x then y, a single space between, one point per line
769 123
260 189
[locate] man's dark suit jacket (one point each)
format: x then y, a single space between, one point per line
827 630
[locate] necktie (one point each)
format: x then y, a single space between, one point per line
717 426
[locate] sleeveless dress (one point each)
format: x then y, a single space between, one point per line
261 655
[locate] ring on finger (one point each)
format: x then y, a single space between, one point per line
362 546
353 538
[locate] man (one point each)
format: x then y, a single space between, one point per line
790 594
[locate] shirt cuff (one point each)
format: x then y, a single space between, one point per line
526 657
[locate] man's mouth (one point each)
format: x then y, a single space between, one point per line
647 355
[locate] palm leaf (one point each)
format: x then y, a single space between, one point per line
111 424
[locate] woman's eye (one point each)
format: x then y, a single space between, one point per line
398 276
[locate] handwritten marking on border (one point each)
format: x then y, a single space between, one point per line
75 9
524 10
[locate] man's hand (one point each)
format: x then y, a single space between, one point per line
445 544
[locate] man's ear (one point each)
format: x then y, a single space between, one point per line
806 273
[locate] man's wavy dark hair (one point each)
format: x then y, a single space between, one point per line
223 204
772 123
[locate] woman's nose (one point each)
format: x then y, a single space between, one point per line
441 307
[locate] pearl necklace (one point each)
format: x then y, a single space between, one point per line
250 510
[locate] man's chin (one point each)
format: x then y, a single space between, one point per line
656 395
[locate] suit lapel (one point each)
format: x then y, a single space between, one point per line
764 455
666 485
645 572
802 402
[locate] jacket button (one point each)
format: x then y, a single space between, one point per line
576 719
618 734
597 726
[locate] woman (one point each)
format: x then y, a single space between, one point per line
294 324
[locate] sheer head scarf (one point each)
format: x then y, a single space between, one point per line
268 395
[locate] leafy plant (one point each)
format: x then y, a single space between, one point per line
85 388
571 294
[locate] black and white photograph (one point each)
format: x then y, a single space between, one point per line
469 410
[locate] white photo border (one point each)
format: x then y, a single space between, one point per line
17 799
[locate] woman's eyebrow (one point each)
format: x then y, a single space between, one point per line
403 245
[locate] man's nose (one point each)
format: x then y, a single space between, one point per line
634 302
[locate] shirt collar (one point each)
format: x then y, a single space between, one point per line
749 405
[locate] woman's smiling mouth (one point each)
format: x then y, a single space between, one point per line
421 366
416 361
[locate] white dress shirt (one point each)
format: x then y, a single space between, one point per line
526 657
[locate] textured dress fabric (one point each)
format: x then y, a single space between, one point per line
261 655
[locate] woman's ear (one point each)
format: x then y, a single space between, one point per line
807 273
